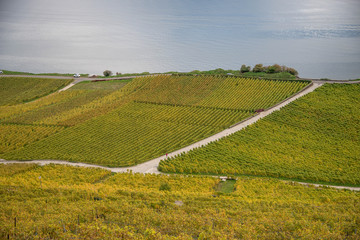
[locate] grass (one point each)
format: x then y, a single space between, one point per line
226 186
282 75
6 72
127 75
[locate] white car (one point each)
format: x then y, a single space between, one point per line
1 72
76 75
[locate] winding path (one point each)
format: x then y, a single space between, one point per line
152 165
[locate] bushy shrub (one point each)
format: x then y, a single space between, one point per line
107 73
245 68
292 71
276 68
258 68
219 71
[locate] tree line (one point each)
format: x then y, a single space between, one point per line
276 68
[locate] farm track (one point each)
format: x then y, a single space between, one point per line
151 166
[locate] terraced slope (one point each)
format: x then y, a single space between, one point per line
15 90
84 203
315 138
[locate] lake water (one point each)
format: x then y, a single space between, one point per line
319 38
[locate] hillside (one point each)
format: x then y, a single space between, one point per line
15 90
315 138
85 203
146 118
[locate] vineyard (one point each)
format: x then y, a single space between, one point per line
16 136
130 135
313 139
124 124
62 202
211 91
15 90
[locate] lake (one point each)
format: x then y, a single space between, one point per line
319 38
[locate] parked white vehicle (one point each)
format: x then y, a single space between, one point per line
76 75
1 72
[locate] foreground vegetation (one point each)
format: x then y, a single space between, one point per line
83 203
146 118
315 138
15 90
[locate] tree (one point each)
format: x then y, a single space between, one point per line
276 68
292 71
258 68
107 73
245 68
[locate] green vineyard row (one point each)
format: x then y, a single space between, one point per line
15 90
146 118
130 135
17 136
314 139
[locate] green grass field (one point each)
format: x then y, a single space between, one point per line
15 90
315 138
86 203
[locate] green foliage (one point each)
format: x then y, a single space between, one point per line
164 187
292 71
107 73
17 136
13 168
16 90
255 94
280 75
276 68
101 85
56 113
134 207
313 139
258 68
245 68
132 134
43 74
273 69
146 118
226 186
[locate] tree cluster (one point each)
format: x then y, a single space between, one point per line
276 68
